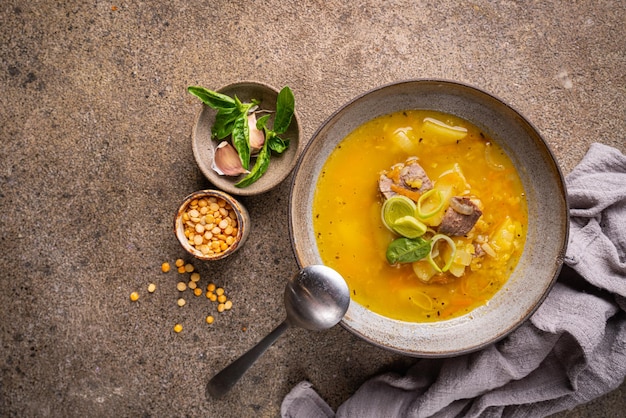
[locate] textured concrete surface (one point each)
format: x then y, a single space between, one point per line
95 127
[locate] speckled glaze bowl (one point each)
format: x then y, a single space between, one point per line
280 165
241 215
547 234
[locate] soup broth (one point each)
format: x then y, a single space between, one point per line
352 238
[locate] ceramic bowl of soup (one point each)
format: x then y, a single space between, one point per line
441 206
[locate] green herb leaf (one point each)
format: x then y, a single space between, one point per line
212 98
407 250
241 139
276 144
285 105
262 122
260 167
224 122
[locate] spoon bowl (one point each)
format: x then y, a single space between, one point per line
316 298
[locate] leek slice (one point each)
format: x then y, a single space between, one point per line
423 200
450 260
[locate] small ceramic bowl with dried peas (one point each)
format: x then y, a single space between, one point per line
211 224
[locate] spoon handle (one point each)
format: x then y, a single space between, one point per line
226 379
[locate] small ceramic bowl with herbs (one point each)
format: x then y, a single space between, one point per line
246 138
211 224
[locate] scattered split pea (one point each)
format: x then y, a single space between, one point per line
223 230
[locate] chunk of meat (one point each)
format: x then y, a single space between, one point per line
455 223
409 176
384 185
413 177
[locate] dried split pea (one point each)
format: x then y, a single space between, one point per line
180 262
219 291
192 285
198 240
178 328
189 268
220 307
228 305
181 286
197 291
210 287
195 277
181 302
181 269
209 319
221 298
165 267
151 287
134 296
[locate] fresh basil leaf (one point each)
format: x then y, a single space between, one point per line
261 122
277 144
260 167
212 98
241 139
224 122
285 105
407 250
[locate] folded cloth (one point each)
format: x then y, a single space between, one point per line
572 350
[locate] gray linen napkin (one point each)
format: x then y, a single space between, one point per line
572 350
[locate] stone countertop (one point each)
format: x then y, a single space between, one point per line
95 127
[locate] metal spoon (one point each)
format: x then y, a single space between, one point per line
316 298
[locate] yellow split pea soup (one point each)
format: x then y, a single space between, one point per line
459 160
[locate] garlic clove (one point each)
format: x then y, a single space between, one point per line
226 161
257 138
